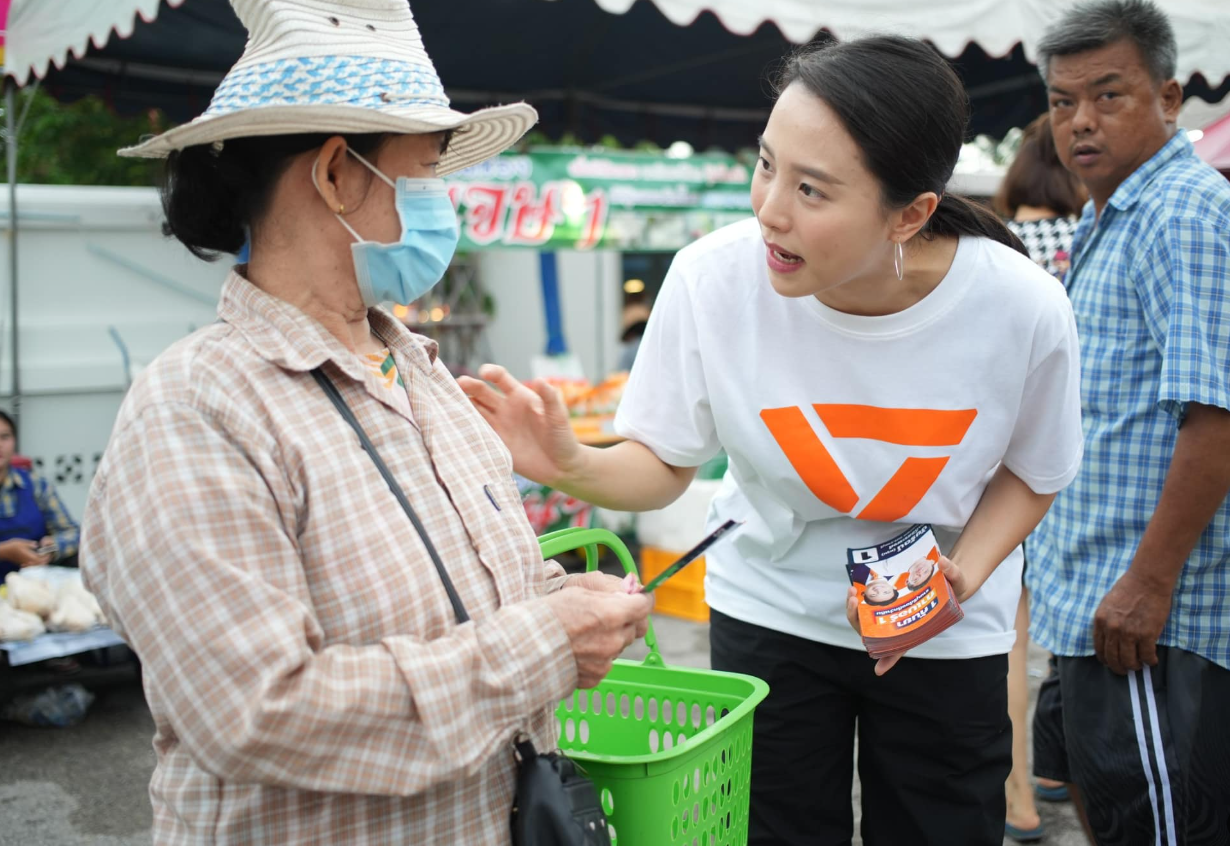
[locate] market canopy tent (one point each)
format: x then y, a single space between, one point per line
1201 26
666 70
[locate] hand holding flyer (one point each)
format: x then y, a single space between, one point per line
900 596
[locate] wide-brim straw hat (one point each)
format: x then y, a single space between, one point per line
340 66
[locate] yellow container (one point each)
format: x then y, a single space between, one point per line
682 595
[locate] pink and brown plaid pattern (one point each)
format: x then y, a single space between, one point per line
307 677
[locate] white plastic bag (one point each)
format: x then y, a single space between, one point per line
19 625
28 594
76 608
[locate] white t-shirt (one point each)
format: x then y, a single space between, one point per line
842 430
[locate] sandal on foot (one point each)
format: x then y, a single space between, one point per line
1052 794
1023 835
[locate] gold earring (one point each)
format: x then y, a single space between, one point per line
341 209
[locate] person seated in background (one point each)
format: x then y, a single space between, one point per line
35 527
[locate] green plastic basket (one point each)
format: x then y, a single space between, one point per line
669 749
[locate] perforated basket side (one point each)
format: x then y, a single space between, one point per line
669 750
699 797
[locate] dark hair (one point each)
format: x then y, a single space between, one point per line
1090 26
4 417
634 330
213 198
907 111
1037 177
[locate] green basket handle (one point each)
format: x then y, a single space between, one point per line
566 540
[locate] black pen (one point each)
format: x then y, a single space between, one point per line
691 555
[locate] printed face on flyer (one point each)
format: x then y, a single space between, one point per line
880 586
921 571
899 583
900 565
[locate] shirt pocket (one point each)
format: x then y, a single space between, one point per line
505 540
1120 363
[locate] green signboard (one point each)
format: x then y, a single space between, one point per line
562 199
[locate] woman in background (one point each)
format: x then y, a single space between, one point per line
1041 199
1042 202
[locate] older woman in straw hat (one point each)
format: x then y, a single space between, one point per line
306 665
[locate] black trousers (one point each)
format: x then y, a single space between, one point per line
934 742
1150 751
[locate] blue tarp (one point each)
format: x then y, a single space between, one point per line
59 644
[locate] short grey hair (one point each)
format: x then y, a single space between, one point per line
1092 25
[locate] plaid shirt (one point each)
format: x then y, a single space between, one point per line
307 677
61 526
1150 286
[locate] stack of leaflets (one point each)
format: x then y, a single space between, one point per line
904 599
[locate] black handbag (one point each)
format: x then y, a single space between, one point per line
555 804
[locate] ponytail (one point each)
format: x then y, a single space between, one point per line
203 198
213 197
956 216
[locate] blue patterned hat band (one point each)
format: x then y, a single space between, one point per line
367 82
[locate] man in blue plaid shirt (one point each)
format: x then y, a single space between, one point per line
1130 570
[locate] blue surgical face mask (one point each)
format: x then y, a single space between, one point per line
403 271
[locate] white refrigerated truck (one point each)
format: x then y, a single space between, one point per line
100 292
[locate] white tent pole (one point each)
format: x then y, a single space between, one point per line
10 147
29 102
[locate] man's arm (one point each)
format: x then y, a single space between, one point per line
1133 614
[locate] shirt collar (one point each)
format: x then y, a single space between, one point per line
1131 189
283 335
12 479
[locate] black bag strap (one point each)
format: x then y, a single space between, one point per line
336 397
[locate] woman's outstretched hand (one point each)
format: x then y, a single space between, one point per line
530 418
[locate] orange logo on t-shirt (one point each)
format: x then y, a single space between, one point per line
904 426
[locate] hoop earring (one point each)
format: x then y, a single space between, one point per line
899 261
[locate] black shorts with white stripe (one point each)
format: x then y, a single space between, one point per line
1150 751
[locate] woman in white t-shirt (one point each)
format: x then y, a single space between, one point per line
873 353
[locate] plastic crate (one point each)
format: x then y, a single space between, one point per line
682 595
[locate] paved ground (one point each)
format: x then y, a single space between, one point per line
81 785
87 784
